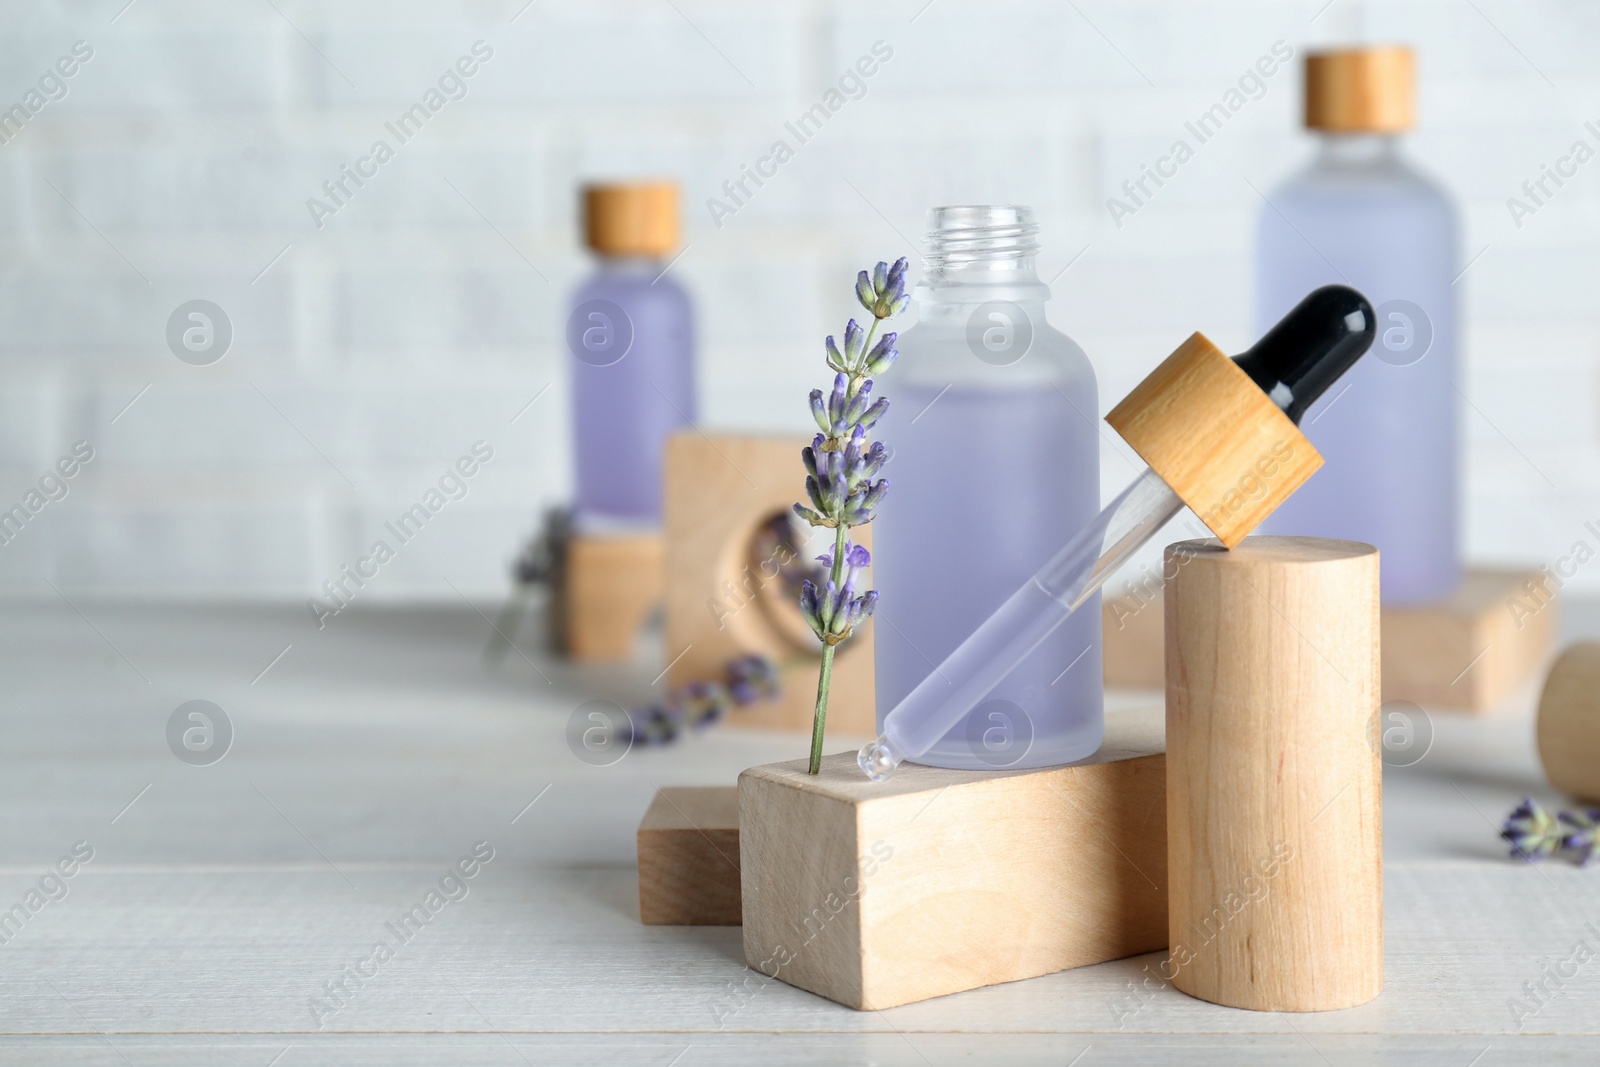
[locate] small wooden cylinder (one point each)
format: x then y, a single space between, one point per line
1569 723
1274 844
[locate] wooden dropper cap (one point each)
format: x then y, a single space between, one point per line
1361 90
1224 433
631 218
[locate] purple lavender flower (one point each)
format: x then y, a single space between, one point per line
700 704
884 293
843 488
1533 832
834 610
703 703
657 724
753 678
1582 841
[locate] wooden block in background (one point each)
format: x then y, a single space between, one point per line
1473 650
1133 639
719 489
936 881
1431 655
607 587
689 858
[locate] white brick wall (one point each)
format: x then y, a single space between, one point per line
378 348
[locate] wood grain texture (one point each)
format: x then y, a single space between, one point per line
689 857
1273 774
721 604
1221 444
937 881
1568 725
1468 653
609 585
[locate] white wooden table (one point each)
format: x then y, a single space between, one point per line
223 900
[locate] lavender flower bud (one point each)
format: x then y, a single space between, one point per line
826 601
851 457
872 462
882 355
865 292
858 404
818 498
889 286
861 608
835 357
854 338
810 516
861 503
1532 832
1584 840
752 678
838 402
870 417
897 275
703 703
808 456
819 411
811 608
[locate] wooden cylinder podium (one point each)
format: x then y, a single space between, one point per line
1274 821
1569 723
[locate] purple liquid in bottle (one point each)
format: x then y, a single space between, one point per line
1359 215
995 466
631 335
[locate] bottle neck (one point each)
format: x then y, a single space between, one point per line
636 264
976 254
1357 149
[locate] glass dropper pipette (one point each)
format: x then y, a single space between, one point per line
1294 363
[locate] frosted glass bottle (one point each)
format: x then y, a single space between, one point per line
630 332
1361 215
995 462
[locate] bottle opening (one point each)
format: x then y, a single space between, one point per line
985 236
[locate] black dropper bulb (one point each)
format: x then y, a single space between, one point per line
1309 348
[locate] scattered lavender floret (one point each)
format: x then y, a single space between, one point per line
1534 833
1582 840
695 706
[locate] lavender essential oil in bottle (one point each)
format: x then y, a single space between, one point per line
996 459
631 334
1362 215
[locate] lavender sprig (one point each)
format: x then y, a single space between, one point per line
842 467
1535 834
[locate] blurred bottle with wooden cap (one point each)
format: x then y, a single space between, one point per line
1362 215
631 337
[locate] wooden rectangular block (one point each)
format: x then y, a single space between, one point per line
1466 654
723 603
606 588
689 858
877 894
1133 644
1473 650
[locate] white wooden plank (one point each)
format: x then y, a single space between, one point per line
224 899
640 1049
